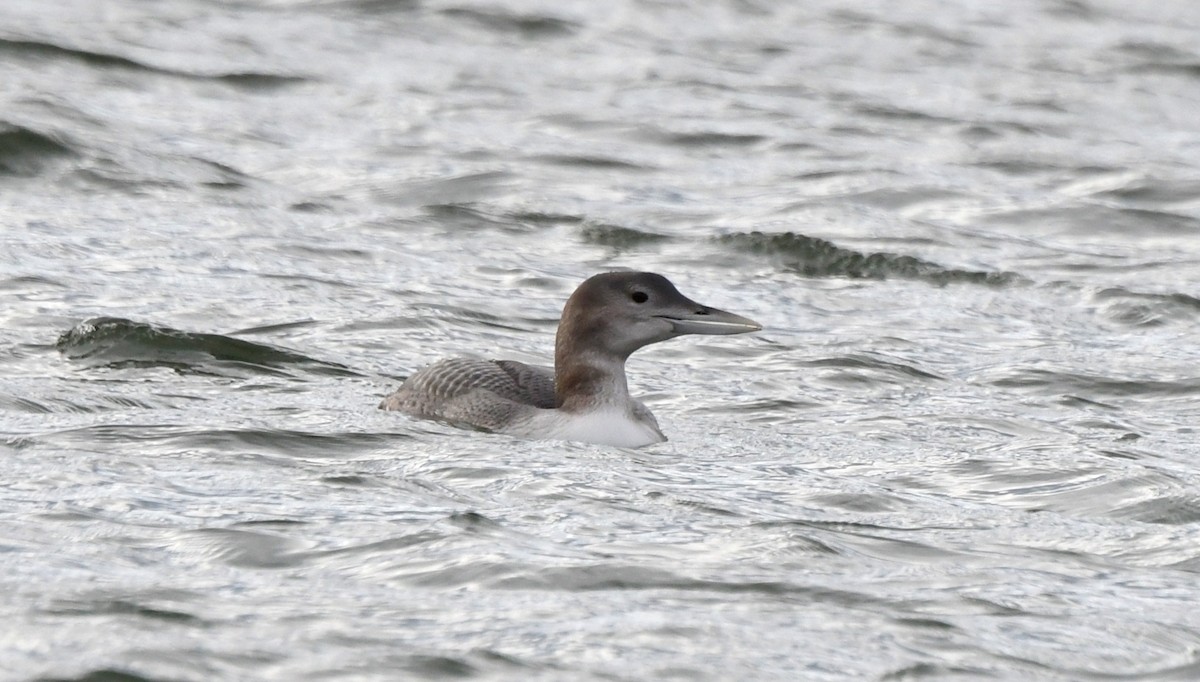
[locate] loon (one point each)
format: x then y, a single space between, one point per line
585 396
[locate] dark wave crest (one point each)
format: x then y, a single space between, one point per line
45 50
1094 386
1142 309
814 257
103 675
529 27
25 153
617 236
116 342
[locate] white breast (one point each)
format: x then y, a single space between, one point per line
612 426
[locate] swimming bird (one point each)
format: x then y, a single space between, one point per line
585 397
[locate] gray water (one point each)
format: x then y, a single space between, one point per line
965 446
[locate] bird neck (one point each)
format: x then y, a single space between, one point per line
586 376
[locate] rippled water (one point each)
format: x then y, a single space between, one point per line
964 447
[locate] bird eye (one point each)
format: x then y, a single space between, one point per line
639 297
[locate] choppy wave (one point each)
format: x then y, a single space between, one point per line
527 26
48 50
1096 386
814 257
25 152
619 236
1147 309
104 675
116 342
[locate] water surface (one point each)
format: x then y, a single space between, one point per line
964 447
